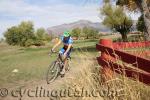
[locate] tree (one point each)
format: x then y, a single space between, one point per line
140 24
76 32
27 30
13 36
89 32
86 32
94 33
48 37
141 5
116 19
18 35
41 34
25 35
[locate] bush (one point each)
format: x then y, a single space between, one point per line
36 42
133 38
25 35
29 42
19 35
118 40
39 43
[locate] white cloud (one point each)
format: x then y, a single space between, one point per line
13 12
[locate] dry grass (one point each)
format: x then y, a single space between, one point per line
87 76
87 84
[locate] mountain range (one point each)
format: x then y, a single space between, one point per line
78 24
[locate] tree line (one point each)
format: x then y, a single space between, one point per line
116 18
25 35
85 32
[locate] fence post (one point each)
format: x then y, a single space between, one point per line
107 72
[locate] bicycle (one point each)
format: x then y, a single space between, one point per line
56 67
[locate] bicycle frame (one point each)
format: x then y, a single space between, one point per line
60 59
55 70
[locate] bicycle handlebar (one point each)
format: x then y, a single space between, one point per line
50 53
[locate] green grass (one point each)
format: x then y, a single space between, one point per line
32 63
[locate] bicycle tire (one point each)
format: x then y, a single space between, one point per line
52 72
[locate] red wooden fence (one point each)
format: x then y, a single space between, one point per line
122 45
108 57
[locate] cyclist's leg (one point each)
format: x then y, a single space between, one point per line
61 52
65 60
69 53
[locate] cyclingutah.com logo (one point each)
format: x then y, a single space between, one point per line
3 92
39 92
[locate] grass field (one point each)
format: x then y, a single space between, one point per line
32 63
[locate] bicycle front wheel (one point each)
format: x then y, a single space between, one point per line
68 65
52 72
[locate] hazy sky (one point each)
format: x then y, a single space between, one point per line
46 13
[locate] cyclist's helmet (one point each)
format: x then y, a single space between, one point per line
66 34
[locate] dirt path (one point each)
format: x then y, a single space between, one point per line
40 90
35 91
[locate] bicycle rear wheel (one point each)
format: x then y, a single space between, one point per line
52 72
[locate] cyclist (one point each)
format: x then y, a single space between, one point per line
66 49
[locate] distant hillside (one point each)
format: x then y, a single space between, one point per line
81 23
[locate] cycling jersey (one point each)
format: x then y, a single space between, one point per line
68 41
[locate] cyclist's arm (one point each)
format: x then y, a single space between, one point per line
56 45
